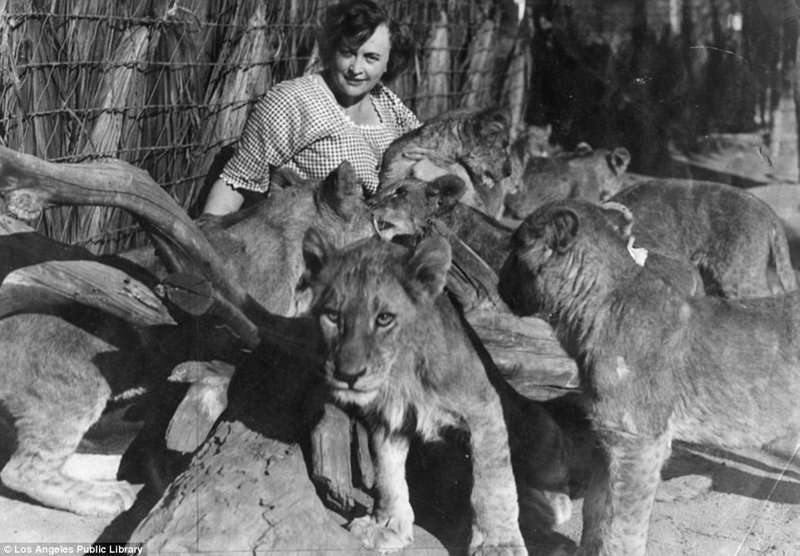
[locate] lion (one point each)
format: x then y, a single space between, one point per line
60 370
471 143
733 237
594 175
397 350
655 364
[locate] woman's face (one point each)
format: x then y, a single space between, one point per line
356 72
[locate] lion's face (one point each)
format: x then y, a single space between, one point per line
519 284
362 329
486 153
406 206
367 297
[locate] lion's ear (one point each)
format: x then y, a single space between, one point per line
447 189
341 191
560 230
618 160
317 251
619 216
493 126
430 263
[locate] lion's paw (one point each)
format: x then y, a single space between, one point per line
683 488
103 498
91 498
383 534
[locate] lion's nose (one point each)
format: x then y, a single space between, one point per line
507 167
350 377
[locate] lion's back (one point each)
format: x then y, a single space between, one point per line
735 238
686 217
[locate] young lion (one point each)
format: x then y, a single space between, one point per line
734 238
395 348
655 364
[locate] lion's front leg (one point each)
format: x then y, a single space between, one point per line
391 525
495 528
618 504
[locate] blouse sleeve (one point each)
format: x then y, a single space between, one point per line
405 119
269 139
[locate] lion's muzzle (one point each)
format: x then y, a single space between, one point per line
349 376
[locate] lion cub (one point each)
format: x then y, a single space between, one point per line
732 236
396 349
655 363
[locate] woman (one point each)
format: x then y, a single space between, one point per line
312 123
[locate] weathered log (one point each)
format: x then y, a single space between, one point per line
29 183
526 351
89 283
37 273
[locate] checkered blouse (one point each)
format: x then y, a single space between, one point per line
298 124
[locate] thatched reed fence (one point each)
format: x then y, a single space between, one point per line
167 84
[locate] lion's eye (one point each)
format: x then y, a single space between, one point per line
384 319
331 315
400 192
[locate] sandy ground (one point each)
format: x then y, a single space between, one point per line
748 501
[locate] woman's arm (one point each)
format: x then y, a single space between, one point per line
274 132
222 199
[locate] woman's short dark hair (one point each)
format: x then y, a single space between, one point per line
348 25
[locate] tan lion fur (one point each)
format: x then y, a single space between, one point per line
655 364
396 349
735 238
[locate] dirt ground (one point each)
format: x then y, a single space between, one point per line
712 502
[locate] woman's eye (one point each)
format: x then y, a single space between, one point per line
384 319
331 315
